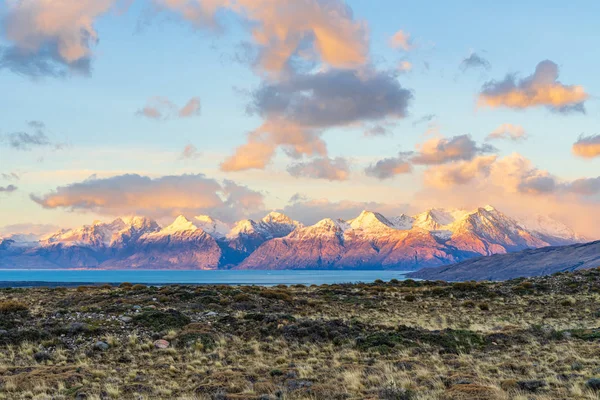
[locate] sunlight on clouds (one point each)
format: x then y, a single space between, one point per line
540 89
587 146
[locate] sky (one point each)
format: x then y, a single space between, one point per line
318 108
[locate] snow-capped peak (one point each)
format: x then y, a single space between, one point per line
371 221
277 217
137 222
548 228
402 222
181 224
330 224
212 226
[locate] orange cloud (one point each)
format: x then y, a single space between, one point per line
262 143
401 40
508 131
439 150
281 28
587 147
159 107
458 173
53 31
516 186
157 197
540 89
297 110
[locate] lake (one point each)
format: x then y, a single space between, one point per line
24 278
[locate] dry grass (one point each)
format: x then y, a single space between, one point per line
535 339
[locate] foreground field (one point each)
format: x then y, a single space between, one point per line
521 339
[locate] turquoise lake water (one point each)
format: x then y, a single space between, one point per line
156 277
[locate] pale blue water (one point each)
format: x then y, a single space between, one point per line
39 277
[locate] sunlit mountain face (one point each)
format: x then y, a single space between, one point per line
368 241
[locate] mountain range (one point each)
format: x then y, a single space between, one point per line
370 241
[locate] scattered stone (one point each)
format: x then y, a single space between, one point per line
126 319
161 344
3 332
211 314
101 346
137 307
532 385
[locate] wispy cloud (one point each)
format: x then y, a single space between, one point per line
8 189
337 169
36 138
159 107
189 152
508 131
401 40
474 61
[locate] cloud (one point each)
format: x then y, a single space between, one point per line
159 107
332 98
191 108
585 186
315 30
28 228
264 141
11 176
297 110
377 130
26 141
8 189
189 152
515 186
405 66
458 173
336 169
310 211
401 40
514 173
443 150
51 37
389 167
157 197
540 89
424 118
474 61
587 146
508 131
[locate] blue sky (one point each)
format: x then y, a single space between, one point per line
147 51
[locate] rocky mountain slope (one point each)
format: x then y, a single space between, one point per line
525 263
369 241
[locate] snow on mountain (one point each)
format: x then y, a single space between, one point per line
487 231
372 223
96 235
214 227
402 221
550 230
434 237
